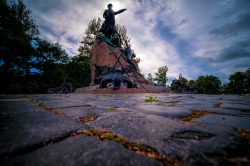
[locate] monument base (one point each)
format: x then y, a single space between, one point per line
111 91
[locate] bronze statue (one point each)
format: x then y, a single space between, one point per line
108 27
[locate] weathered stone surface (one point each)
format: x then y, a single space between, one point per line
204 140
21 133
225 120
82 150
14 104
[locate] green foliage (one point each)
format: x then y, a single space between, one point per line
191 83
21 50
161 76
41 104
17 30
152 99
122 30
150 77
90 34
183 79
239 83
79 73
208 84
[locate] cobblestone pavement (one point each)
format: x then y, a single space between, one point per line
124 129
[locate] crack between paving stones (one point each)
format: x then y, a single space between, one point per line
199 113
41 104
143 150
140 149
25 150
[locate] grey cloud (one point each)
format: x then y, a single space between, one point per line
245 63
232 29
237 50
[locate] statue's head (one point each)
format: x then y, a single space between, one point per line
110 6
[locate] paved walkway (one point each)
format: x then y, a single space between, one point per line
124 129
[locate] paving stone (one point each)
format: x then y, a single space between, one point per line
8 106
23 132
208 140
242 107
82 150
83 112
162 110
158 132
225 120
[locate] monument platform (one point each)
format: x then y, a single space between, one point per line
118 91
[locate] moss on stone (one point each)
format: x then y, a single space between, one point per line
152 99
194 114
111 108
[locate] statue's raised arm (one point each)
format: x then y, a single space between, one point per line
108 27
120 11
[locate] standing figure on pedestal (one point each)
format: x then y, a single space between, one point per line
108 27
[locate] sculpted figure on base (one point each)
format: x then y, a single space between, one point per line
108 27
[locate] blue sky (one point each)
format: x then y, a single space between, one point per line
192 37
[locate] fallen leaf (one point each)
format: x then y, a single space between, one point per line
79 132
104 130
163 156
87 123
73 134
143 153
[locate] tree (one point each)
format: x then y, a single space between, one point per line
21 50
183 80
150 77
225 89
208 84
161 76
93 30
90 34
237 83
247 81
17 30
191 83
122 30
79 73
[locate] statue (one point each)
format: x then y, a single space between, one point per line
127 53
108 27
115 75
180 86
64 88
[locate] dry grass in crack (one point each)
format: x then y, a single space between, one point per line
59 113
173 104
125 96
245 135
108 95
89 118
137 148
24 96
111 108
40 104
217 105
194 114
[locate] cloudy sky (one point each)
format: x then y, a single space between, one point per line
192 37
